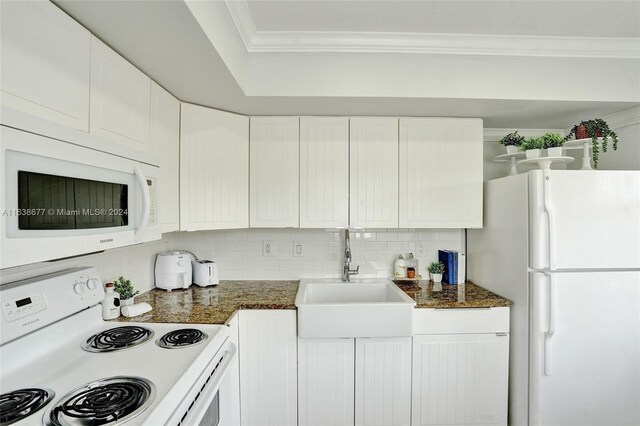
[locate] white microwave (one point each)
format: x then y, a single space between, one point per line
60 200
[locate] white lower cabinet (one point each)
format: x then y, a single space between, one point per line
230 387
326 382
268 361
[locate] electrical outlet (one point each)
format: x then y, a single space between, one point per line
421 249
297 249
267 248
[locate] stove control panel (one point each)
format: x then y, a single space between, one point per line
20 308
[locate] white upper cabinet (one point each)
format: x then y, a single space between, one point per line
164 136
120 99
374 172
324 172
214 169
440 173
45 63
274 167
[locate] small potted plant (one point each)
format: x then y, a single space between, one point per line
594 129
125 289
552 142
436 269
512 141
532 147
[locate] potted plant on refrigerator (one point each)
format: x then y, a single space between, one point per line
125 289
552 142
512 141
594 129
532 147
436 269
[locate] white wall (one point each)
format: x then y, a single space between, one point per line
239 252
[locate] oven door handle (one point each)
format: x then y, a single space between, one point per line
146 204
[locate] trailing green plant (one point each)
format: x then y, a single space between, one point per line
595 129
512 139
124 288
551 140
532 143
436 268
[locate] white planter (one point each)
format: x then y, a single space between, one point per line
554 152
436 278
126 302
512 149
532 153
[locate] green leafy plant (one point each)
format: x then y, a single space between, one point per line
551 140
436 268
124 288
594 129
512 139
532 143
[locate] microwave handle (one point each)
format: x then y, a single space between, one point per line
146 206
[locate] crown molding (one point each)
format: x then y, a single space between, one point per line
452 44
625 118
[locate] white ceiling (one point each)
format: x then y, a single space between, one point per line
534 18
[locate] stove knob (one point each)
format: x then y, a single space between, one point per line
92 283
79 287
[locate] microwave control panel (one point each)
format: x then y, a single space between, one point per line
152 183
20 308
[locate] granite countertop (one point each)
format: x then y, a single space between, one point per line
467 295
215 305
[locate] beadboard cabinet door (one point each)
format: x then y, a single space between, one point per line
268 366
440 173
274 172
45 63
120 99
214 169
460 379
324 172
374 172
326 382
164 140
383 382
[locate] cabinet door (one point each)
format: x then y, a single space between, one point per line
120 99
460 379
383 381
440 173
45 63
324 172
374 172
268 357
325 382
274 165
214 169
165 140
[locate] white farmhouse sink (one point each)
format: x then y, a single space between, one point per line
360 308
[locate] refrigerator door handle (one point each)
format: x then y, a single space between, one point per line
550 218
551 329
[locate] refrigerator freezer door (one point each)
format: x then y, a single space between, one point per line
585 348
584 219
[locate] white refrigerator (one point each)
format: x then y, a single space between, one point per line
564 246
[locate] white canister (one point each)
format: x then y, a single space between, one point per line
111 303
400 267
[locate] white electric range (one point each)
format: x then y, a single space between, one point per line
62 364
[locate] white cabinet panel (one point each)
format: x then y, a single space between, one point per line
383 381
120 99
326 382
165 141
374 172
268 357
45 59
274 167
230 387
324 172
460 379
214 169
440 173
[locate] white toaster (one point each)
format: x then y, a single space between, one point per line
205 272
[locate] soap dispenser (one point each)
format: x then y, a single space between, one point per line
400 269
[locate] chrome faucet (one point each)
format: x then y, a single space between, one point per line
346 268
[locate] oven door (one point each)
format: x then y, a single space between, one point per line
201 406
